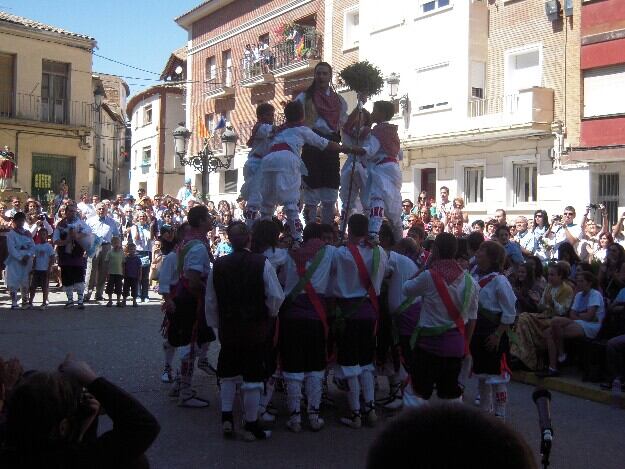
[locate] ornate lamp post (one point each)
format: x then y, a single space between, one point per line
205 161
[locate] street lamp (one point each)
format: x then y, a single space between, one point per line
393 85
98 96
205 162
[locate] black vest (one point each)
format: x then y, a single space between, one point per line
240 289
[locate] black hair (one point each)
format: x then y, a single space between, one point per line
426 432
311 89
238 234
265 235
589 277
387 109
539 270
567 249
386 234
446 245
545 218
475 240
313 231
358 225
263 108
496 254
293 111
19 216
479 223
416 231
197 214
462 251
502 228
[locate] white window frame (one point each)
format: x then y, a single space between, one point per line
509 164
444 106
460 167
517 167
352 44
437 9
615 101
148 111
210 68
144 161
509 53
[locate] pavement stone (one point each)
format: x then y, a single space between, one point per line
125 346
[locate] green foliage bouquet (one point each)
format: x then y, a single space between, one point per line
364 78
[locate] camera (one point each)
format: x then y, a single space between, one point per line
42 217
593 206
557 218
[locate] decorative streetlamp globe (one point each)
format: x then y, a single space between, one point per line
393 84
181 138
229 142
98 96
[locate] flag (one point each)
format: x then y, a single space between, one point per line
201 128
221 124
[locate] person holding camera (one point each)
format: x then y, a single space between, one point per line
564 230
52 418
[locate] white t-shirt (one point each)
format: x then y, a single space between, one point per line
43 253
584 301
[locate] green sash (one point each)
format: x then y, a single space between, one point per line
314 265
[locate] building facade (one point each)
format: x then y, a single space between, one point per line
154 114
46 105
240 54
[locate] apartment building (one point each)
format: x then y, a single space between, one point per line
602 126
241 53
46 105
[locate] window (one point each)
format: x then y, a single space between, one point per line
523 69
431 92
147 114
608 194
147 156
226 63
7 72
231 179
525 182
54 95
351 28
604 91
211 68
478 78
209 123
474 184
432 5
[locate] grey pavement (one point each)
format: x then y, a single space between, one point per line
124 345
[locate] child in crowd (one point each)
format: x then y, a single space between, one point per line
19 262
115 259
259 143
157 261
132 274
44 258
282 168
383 173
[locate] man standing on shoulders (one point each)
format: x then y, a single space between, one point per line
244 324
104 228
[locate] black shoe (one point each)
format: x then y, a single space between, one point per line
134 304
548 373
254 432
109 303
120 304
99 298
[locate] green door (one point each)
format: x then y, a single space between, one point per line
49 171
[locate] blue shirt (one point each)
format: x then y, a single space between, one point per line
620 298
513 250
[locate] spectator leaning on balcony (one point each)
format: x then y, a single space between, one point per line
325 112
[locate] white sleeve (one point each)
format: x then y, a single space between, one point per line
343 117
211 310
11 245
274 295
311 138
506 299
371 146
474 301
417 286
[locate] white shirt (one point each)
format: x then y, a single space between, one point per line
183 194
526 241
86 210
320 123
401 269
168 275
559 236
296 137
35 227
19 245
262 140
321 277
277 257
274 295
104 227
374 150
345 280
433 311
497 296
144 243
43 253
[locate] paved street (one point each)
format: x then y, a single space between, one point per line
124 345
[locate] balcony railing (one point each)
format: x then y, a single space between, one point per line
528 106
293 52
42 109
222 83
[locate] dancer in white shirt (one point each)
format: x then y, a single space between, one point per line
20 260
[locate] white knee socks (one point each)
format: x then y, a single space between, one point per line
266 396
486 395
313 385
251 400
353 395
294 396
228 389
367 384
501 400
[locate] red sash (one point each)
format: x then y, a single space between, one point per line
314 297
280 147
365 279
452 310
486 280
388 159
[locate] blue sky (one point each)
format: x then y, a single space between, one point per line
141 33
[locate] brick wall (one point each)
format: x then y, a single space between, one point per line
341 59
521 23
243 104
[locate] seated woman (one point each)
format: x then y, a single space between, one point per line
584 320
556 300
527 291
609 280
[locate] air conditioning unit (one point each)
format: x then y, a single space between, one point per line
568 7
552 9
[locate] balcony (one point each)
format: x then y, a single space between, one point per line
256 72
29 107
221 85
297 55
532 106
